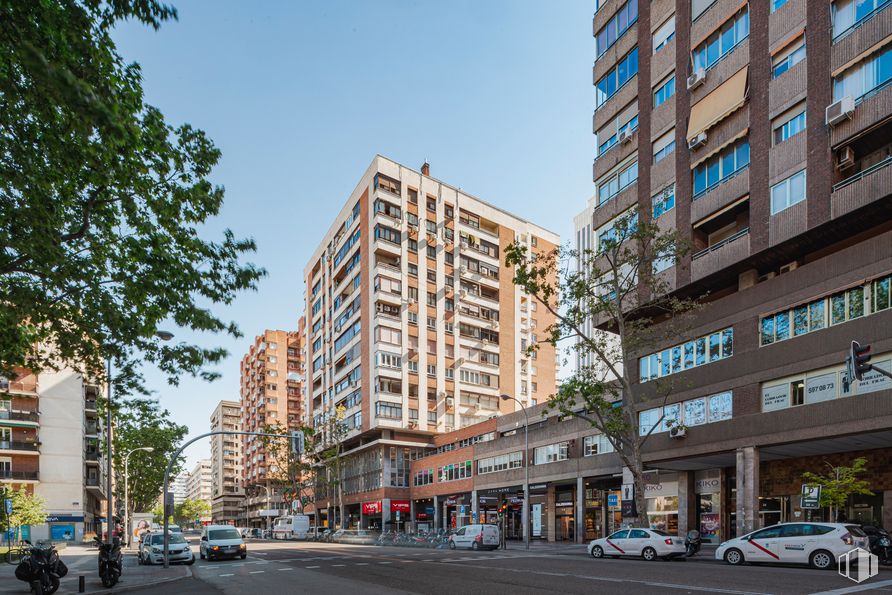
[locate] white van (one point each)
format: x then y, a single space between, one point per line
476 537
292 527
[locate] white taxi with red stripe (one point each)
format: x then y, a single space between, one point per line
646 543
816 544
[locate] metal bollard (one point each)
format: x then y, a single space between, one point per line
81 584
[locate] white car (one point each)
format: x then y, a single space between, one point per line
476 537
647 543
221 541
151 550
816 544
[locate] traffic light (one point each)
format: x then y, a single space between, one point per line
297 442
859 356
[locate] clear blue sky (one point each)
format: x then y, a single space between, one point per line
299 96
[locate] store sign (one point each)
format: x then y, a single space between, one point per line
663 488
399 506
62 518
776 397
820 388
505 490
371 507
562 504
708 482
538 486
874 381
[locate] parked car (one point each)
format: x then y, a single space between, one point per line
816 544
476 537
221 541
650 544
151 550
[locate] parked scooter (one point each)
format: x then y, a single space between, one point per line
111 561
692 543
880 543
41 569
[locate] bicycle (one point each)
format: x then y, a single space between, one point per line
16 553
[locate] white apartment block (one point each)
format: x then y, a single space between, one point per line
228 495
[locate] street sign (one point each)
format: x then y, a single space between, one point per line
397 516
810 496
613 500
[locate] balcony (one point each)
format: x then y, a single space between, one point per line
8 474
861 189
19 446
28 416
92 457
19 387
721 255
721 194
871 30
870 109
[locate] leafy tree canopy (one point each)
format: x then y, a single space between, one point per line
27 509
102 202
840 482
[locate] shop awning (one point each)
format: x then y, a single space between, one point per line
723 100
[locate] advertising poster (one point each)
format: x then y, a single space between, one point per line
62 532
537 520
710 522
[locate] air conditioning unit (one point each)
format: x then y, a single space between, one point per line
790 266
697 141
449 290
839 111
494 325
447 428
463 293
845 158
338 326
411 301
696 79
625 136
450 401
677 432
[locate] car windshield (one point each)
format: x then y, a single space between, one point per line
224 534
173 538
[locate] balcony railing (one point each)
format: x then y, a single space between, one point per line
724 242
19 415
883 5
17 445
862 174
18 386
9 474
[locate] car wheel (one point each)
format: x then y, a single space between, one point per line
243 556
475 546
649 554
821 559
734 557
452 545
190 562
597 552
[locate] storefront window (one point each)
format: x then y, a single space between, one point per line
662 513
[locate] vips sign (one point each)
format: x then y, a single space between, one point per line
399 506
371 507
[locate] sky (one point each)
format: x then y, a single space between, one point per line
300 96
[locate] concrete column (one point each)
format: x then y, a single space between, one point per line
361 517
385 514
747 489
341 520
550 517
580 510
887 508
687 503
436 516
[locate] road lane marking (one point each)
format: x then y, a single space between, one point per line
384 562
225 575
362 563
281 569
311 567
856 588
257 572
337 565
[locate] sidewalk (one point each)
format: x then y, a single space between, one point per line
81 561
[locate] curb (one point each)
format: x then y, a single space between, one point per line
125 588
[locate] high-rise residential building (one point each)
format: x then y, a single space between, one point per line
200 485
272 394
228 495
180 487
50 436
415 327
760 131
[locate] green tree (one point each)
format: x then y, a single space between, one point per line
102 203
841 483
615 288
328 444
188 510
27 509
139 423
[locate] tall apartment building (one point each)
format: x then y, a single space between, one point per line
415 327
200 485
227 506
761 132
50 436
272 381
180 487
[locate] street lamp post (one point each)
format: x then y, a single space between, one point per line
110 509
525 509
127 491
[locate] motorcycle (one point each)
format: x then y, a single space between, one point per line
692 543
41 568
111 561
880 543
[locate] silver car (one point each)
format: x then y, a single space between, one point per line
151 550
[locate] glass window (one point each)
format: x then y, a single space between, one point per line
664 91
616 26
788 192
720 407
648 420
616 78
864 77
775 4
787 58
790 127
720 167
664 201
695 412
723 41
664 34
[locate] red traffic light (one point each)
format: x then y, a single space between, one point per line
859 357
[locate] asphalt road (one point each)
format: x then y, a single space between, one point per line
275 567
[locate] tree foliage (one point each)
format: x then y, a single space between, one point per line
27 509
188 510
840 483
139 423
615 289
102 203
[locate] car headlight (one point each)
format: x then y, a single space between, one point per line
156 550
186 549
215 548
242 546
